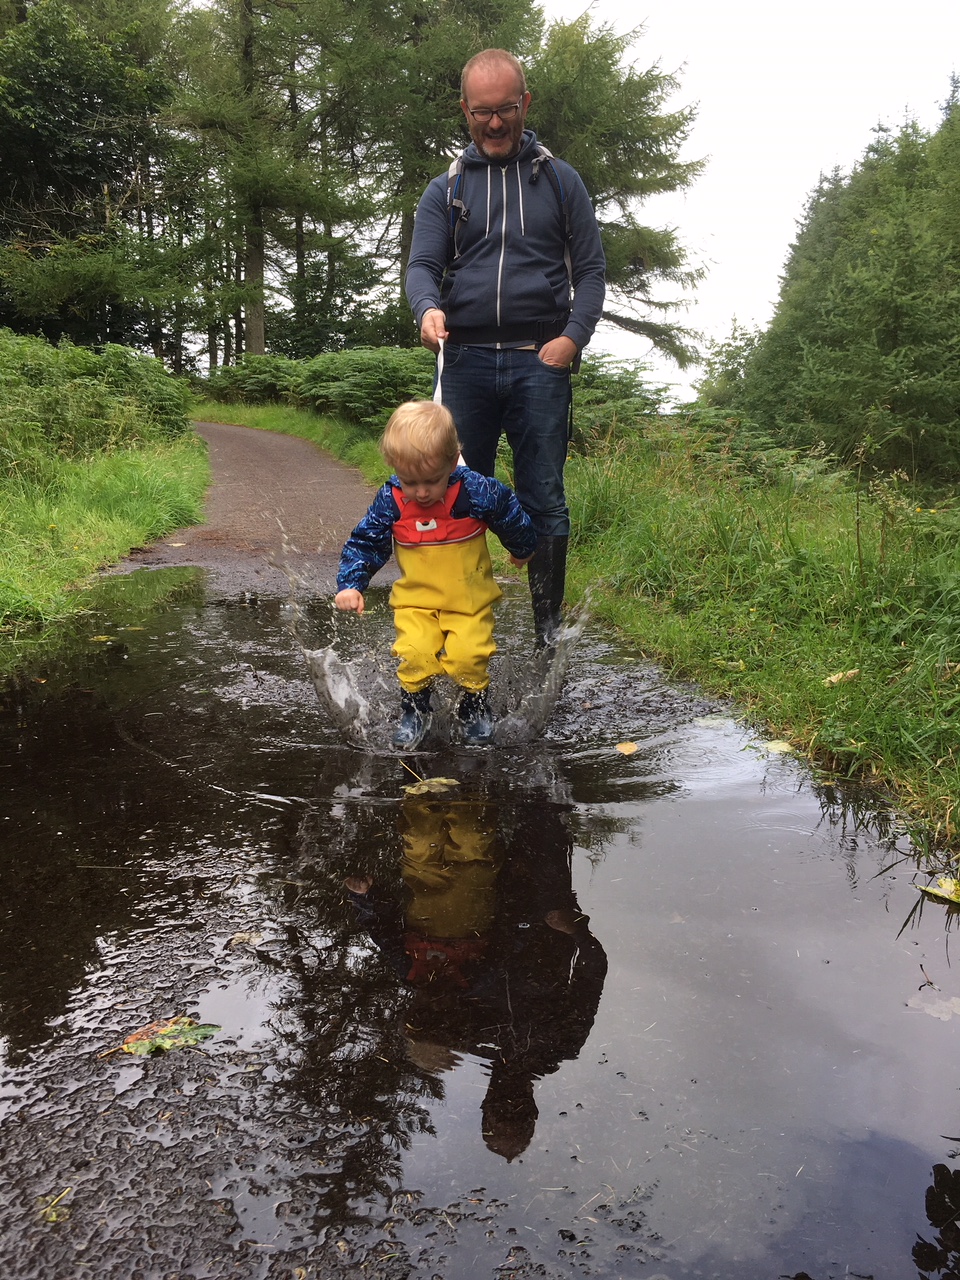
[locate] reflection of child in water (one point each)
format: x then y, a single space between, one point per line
451 857
501 958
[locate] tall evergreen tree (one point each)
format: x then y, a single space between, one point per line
863 353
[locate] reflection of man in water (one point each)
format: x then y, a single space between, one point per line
492 940
941 1257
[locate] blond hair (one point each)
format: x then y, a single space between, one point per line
420 437
488 59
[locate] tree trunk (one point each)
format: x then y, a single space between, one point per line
253 281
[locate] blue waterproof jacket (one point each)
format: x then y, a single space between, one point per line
370 545
507 265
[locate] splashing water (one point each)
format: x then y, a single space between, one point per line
361 698
534 686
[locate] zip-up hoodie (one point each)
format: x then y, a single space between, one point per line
509 266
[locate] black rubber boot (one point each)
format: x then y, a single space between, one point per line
416 716
546 574
473 712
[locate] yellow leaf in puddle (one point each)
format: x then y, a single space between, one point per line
779 747
627 748
841 677
947 889
245 939
101 639
430 786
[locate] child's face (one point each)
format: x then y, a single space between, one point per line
429 486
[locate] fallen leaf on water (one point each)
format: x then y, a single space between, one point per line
842 677
159 1037
50 1208
626 748
947 889
935 1007
102 639
430 786
251 939
779 747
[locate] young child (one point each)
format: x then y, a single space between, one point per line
436 515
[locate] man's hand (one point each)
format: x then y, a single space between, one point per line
560 352
349 600
518 562
433 328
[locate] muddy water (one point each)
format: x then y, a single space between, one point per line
586 1014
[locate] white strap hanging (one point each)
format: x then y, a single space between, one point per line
437 396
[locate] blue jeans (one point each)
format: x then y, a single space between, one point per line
513 393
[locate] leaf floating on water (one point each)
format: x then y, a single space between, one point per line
778 747
101 639
627 748
174 1033
245 939
51 1210
947 889
936 1007
430 786
841 677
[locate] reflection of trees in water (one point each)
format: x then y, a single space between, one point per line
345 1051
941 1256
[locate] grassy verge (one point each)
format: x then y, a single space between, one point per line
83 514
829 610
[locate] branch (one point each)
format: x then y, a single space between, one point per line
670 340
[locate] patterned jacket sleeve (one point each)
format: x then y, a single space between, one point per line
370 545
500 510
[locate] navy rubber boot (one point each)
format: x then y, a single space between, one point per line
546 576
416 716
474 714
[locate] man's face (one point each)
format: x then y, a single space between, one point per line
491 87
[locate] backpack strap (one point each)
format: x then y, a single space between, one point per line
544 157
458 212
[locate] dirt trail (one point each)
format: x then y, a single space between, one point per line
265 487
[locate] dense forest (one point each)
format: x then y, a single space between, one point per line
862 358
200 181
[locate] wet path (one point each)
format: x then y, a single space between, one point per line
669 1029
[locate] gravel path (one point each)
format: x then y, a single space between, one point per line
266 488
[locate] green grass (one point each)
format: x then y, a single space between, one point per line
83 514
831 615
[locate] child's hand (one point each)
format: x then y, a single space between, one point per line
349 600
520 563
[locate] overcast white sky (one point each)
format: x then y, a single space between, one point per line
783 93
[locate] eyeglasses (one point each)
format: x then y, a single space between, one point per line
484 114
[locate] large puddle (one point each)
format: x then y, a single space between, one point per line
588 1013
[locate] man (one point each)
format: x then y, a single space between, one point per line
507 270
